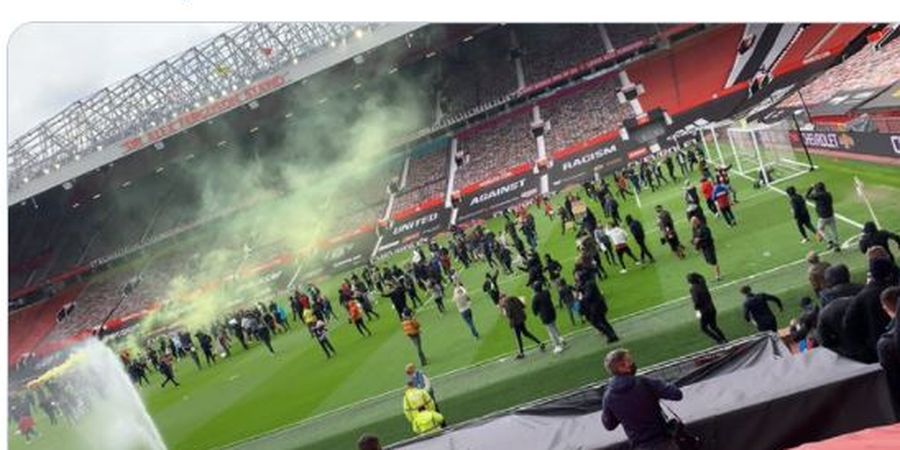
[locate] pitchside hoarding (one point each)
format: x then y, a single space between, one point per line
489 198
411 225
348 251
854 145
576 167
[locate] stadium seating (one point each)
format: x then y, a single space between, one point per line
477 72
622 34
426 176
689 74
501 143
583 112
29 326
548 48
868 68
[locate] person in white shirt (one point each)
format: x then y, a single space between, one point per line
464 305
619 239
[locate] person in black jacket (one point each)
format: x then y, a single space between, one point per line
837 284
756 309
542 306
801 213
553 269
633 401
865 319
889 345
872 237
593 305
567 299
706 310
830 326
826 226
703 242
491 287
637 231
397 293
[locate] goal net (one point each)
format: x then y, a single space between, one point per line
762 153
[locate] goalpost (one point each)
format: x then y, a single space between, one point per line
762 153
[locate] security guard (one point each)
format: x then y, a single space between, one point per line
414 399
426 421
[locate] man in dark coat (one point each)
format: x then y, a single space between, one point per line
593 305
865 319
542 307
837 284
633 401
889 344
756 309
872 237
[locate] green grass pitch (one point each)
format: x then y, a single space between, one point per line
317 403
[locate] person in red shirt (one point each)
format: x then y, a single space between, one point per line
706 187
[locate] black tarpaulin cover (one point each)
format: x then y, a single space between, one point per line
767 401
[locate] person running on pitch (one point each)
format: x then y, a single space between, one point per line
800 212
167 371
514 310
619 240
826 228
637 230
491 287
413 331
464 305
721 195
355 316
704 243
320 331
756 309
706 309
542 307
668 234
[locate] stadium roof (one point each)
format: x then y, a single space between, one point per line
223 73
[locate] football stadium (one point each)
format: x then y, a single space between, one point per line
466 236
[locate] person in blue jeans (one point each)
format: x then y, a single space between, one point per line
633 401
464 305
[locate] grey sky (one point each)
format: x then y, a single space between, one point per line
51 65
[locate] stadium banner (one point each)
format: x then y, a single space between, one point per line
864 146
409 226
578 163
348 251
490 197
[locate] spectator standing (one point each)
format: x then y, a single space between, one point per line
633 401
619 240
865 319
837 284
816 272
320 332
889 344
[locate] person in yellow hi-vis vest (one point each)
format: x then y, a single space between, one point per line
415 400
426 421
309 319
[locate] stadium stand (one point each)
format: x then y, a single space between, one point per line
29 326
867 69
583 112
426 175
503 142
622 34
548 48
477 72
689 74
